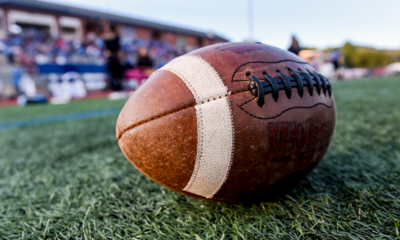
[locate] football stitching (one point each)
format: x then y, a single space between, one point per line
257 87
232 149
169 112
203 169
188 106
155 117
285 60
198 153
254 69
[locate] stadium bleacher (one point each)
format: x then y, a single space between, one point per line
41 50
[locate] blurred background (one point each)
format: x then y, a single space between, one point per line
67 49
73 63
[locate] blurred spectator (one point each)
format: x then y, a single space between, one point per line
145 67
38 47
335 56
294 47
111 42
314 62
328 69
145 63
69 86
26 48
16 74
34 46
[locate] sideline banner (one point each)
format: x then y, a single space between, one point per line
79 68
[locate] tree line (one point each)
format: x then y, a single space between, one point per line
367 57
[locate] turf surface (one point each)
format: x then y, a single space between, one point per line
69 180
12 113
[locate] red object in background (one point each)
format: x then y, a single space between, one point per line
380 72
61 43
136 73
8 102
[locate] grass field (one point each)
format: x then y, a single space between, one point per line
69 180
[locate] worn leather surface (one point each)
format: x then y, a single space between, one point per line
275 145
164 149
160 95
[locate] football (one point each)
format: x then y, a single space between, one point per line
230 122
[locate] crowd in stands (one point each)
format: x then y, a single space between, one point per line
125 58
34 46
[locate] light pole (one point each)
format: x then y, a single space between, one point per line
250 19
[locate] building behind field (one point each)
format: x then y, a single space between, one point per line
42 41
76 23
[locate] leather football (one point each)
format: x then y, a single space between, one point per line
230 122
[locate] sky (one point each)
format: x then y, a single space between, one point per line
316 23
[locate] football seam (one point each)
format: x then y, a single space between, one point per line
171 112
286 110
